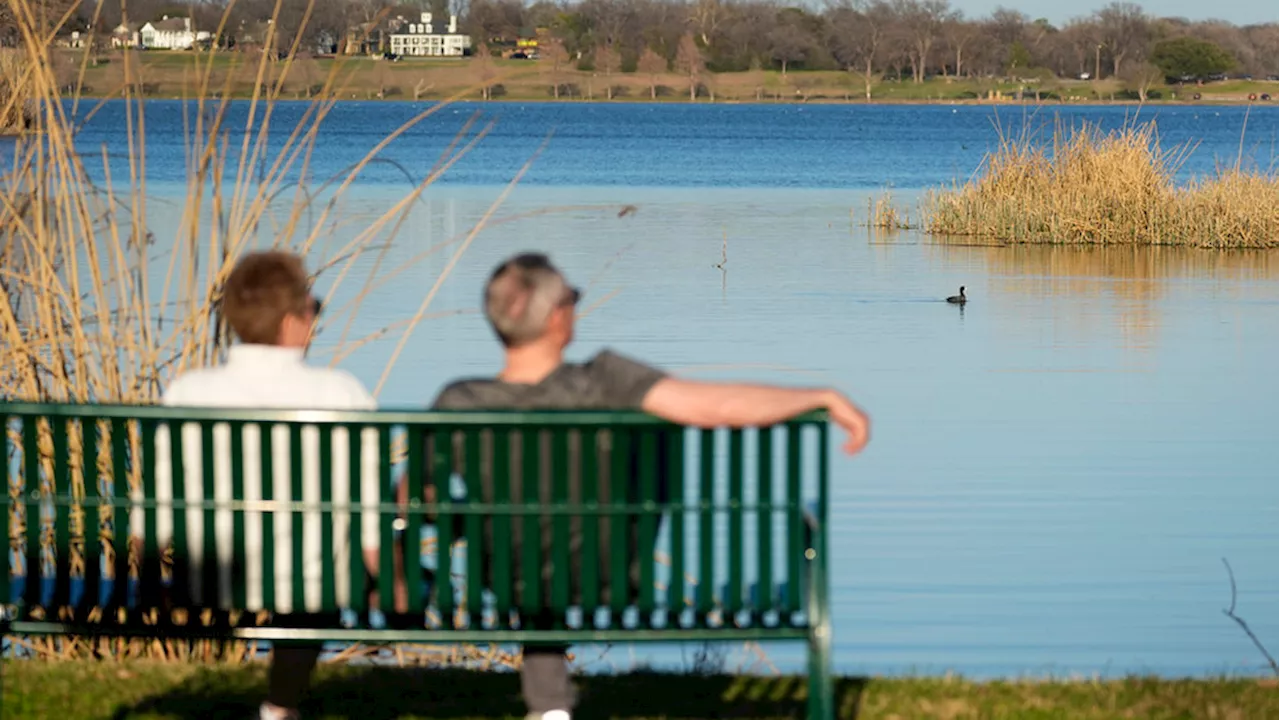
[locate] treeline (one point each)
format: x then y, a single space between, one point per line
907 39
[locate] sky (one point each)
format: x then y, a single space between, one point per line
1239 12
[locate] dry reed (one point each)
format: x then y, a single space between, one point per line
1087 186
883 214
95 308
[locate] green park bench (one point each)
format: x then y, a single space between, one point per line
633 528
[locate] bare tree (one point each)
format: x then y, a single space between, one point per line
957 34
1141 77
553 52
1125 32
653 65
707 16
482 66
690 63
858 29
788 44
608 61
1265 41
919 25
1085 39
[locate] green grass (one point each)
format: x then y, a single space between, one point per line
171 75
82 689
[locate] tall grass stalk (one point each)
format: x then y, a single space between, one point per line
1086 186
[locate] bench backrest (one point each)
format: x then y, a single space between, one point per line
259 510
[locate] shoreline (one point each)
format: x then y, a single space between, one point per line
875 102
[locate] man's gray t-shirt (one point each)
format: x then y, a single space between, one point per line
608 381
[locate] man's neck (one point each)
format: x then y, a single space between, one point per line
530 364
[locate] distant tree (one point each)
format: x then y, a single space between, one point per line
919 26
1264 40
1189 57
958 35
483 67
1141 77
608 61
553 52
1125 31
1018 57
690 63
788 44
653 65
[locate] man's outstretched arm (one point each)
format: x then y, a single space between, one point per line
704 404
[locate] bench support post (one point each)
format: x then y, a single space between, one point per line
821 691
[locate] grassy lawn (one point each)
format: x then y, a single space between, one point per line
76 690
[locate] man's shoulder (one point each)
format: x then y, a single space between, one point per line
340 387
610 361
462 393
197 386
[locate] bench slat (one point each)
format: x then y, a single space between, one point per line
267 488
648 462
120 521
500 569
619 530
149 563
475 545
733 600
33 514
210 587
415 472
296 532
561 563
531 534
62 499
357 591
706 525
675 480
764 528
795 532
239 542
386 571
91 506
328 574
442 479
590 479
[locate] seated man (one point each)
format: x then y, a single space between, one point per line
268 305
530 306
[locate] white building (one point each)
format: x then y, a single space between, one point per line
125 36
171 34
427 39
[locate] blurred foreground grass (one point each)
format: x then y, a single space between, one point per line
81 689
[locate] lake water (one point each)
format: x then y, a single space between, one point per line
1056 470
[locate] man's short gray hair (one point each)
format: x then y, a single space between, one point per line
521 294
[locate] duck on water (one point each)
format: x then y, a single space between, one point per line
958 299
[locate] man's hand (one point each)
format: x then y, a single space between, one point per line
855 422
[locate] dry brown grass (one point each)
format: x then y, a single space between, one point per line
96 307
12 102
1087 186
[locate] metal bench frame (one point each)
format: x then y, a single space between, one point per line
779 513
